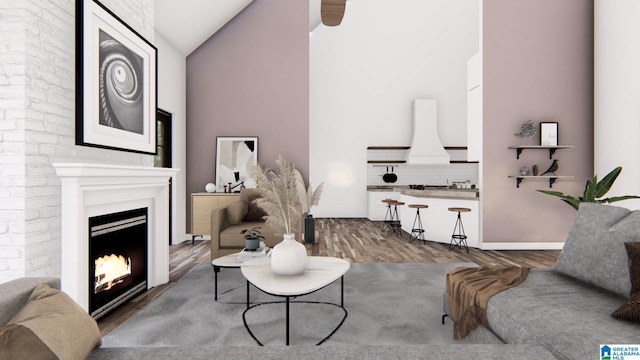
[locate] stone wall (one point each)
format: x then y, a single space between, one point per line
37 125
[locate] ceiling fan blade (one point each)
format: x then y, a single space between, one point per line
332 11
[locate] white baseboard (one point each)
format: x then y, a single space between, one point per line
523 246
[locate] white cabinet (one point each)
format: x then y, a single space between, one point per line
378 209
438 221
474 108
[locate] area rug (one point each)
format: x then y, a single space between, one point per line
387 304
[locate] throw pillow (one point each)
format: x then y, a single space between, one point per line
61 324
594 251
19 342
633 252
236 211
630 310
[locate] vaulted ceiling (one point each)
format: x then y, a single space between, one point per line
186 24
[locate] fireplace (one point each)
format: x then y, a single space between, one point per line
94 190
117 259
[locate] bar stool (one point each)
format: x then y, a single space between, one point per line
417 233
388 216
458 238
394 224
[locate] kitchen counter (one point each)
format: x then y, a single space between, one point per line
470 194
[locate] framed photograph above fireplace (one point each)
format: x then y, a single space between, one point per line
234 155
116 75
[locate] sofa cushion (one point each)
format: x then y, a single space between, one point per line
630 310
236 211
568 317
61 324
594 251
19 342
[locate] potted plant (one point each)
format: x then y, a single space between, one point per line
308 198
279 198
527 131
252 238
593 191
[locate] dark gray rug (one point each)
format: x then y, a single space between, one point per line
387 304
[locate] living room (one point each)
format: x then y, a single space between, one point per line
538 64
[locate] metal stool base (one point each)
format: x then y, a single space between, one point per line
458 239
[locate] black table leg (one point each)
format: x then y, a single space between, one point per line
287 321
247 294
216 270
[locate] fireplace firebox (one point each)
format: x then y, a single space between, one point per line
117 259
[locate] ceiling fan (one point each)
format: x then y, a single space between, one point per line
332 11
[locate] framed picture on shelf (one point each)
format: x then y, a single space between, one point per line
549 133
116 76
234 155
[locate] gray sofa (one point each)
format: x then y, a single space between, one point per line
567 309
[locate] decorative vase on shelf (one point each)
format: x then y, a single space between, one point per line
289 257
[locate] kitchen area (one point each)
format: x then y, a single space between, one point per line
425 173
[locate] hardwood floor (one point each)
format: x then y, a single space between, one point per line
356 240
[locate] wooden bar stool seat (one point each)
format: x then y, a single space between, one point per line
417 230
458 237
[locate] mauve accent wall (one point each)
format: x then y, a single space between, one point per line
538 64
250 79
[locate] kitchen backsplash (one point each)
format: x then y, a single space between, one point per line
420 174
424 174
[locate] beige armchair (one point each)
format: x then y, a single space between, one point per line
228 222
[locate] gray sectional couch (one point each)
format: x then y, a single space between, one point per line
567 309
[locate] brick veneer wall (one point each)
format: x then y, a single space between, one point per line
37 125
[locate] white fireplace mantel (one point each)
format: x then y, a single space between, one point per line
90 190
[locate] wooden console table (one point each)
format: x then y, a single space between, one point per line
201 206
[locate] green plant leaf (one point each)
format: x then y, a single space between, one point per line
590 190
605 184
552 193
620 198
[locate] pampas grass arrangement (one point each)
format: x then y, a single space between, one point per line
279 195
308 197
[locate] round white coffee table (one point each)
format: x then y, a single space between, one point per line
321 271
227 261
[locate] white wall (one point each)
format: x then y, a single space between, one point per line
172 88
364 75
617 95
37 117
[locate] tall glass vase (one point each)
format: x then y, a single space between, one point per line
289 257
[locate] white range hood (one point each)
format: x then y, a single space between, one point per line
426 147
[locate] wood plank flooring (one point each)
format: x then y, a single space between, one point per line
356 240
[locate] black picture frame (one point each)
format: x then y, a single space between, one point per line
549 133
116 82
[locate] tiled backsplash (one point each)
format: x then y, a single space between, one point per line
420 174
424 174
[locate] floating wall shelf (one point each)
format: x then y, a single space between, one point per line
552 149
552 179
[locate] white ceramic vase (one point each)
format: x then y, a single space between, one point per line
289 257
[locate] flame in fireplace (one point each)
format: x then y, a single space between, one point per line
110 270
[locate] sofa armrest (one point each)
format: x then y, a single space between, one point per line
15 293
219 222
